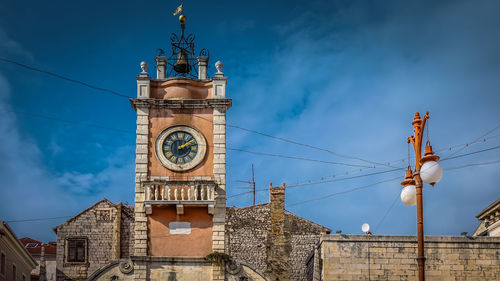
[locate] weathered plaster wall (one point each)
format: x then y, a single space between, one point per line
196 244
362 257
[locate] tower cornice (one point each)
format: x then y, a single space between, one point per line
182 103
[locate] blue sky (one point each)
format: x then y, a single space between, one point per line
347 76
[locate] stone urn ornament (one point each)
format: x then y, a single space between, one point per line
219 65
144 66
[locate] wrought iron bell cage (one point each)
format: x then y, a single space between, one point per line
182 62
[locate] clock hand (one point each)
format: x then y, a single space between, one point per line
186 144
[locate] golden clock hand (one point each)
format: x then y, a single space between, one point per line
186 144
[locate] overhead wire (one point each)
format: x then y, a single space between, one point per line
446 169
386 213
228 148
64 78
477 139
297 143
248 192
38 219
229 125
342 192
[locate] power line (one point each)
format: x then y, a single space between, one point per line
69 122
296 143
229 125
259 190
470 153
474 164
297 158
65 78
229 148
39 219
342 179
396 169
386 213
342 192
482 136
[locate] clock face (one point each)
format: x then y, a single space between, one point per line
180 148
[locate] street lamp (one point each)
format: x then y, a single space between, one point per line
428 170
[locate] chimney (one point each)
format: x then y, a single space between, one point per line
279 246
277 207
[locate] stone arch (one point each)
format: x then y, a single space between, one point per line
118 270
242 272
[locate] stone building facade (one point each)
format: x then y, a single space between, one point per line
16 263
490 220
93 239
365 257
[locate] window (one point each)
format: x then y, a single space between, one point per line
31 245
14 272
2 264
76 250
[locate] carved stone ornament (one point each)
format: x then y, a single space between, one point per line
114 278
232 267
126 266
219 65
144 66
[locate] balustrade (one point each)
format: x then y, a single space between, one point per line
180 191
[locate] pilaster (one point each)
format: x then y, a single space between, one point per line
219 127
141 170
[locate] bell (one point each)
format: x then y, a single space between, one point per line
181 65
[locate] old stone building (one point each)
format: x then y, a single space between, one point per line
16 263
94 240
264 242
271 240
490 220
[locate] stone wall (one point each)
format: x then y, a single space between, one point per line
363 257
97 225
248 239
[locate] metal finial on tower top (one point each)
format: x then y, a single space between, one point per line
182 61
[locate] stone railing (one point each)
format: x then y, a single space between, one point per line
180 192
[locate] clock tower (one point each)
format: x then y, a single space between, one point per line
180 182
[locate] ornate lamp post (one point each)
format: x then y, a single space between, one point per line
427 170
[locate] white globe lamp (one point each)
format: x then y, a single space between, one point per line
431 172
409 195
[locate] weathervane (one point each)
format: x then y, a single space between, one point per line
182 61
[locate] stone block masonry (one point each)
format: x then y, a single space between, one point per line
97 226
363 257
271 240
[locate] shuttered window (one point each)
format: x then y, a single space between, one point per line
76 250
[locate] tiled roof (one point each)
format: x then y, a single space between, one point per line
35 247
